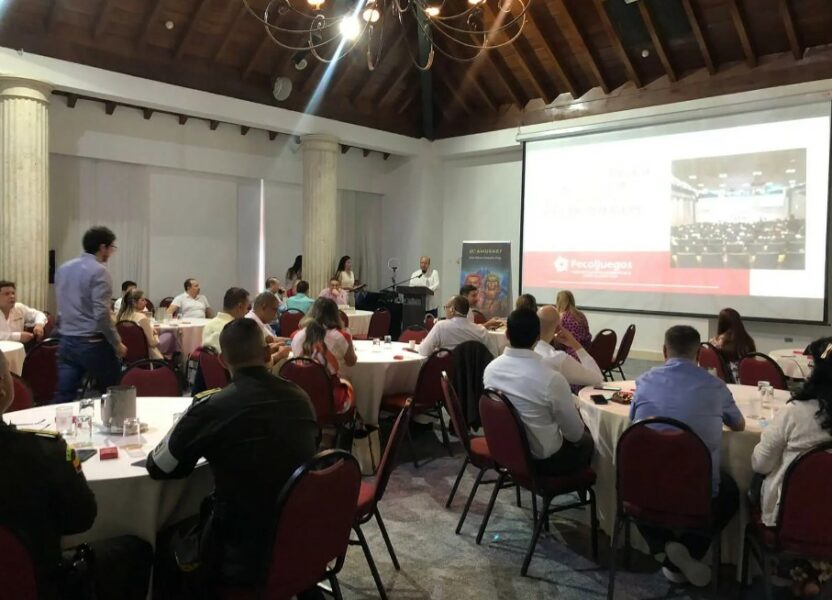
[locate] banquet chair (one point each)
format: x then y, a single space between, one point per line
479 318
710 357
50 325
23 397
470 360
415 332
290 321
680 499
371 494
132 336
165 302
210 368
623 352
152 378
602 349
150 308
506 437
344 318
17 572
756 367
379 324
315 512
40 370
804 526
427 397
430 320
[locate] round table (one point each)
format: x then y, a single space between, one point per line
794 363
498 340
14 353
607 422
386 371
359 321
188 333
129 501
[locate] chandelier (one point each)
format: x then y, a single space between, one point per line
330 29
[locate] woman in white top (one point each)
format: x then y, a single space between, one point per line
132 309
344 274
805 422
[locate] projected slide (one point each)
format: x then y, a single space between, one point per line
684 218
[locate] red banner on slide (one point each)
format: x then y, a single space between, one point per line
630 272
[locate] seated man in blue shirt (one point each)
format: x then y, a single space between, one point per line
682 390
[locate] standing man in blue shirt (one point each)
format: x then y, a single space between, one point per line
89 340
682 390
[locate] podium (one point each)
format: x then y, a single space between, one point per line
414 304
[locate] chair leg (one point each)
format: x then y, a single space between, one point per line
382 593
497 485
616 529
412 448
456 483
593 516
620 370
446 441
517 491
628 549
534 507
767 565
746 557
336 587
716 559
544 518
470 500
387 541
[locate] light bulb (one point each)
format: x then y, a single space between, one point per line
350 28
316 4
475 2
371 13
432 11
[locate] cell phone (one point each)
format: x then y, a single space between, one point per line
607 388
85 454
599 399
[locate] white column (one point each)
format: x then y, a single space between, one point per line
320 185
24 187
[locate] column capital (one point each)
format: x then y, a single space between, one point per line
12 86
319 142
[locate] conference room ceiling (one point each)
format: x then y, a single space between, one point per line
573 58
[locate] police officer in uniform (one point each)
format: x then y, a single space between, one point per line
254 434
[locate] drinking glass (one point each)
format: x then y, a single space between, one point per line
388 342
376 345
63 420
83 430
132 433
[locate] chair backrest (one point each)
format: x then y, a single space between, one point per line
152 378
505 434
711 358
166 301
663 474
379 324
470 360
391 450
40 370
344 318
415 332
479 318
16 569
315 513
132 336
428 392
23 397
602 348
626 344
151 308
313 378
804 525
756 366
290 321
50 325
454 409
214 374
430 321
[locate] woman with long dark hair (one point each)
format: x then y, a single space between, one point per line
732 339
132 308
294 273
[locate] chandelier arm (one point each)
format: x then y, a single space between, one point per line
486 46
521 16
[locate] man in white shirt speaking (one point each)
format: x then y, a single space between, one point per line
454 330
191 304
14 316
429 278
577 374
559 442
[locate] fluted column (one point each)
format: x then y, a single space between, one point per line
320 179
24 187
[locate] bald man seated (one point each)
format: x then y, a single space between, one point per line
578 374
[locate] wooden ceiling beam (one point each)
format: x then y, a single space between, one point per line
101 18
148 23
551 52
366 77
658 43
341 73
742 32
456 93
192 21
230 32
472 77
699 35
252 62
389 87
609 29
791 31
583 45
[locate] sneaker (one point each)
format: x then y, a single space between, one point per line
674 576
698 573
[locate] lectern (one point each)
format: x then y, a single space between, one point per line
414 304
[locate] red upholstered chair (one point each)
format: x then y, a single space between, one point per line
623 352
132 336
213 372
663 479
479 318
804 526
16 569
710 357
757 367
152 378
344 318
602 349
430 321
371 494
315 511
427 397
165 302
290 321
415 332
40 370
50 325
509 446
23 397
379 324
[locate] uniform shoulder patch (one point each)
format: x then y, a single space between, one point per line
206 394
72 457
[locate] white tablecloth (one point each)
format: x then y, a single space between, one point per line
379 373
129 502
793 362
607 422
498 339
188 332
15 353
359 321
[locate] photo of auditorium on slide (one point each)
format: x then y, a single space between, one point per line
684 217
746 211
